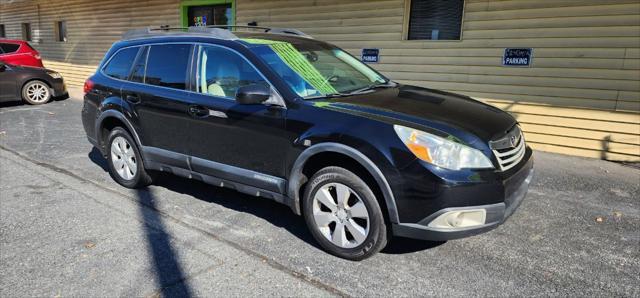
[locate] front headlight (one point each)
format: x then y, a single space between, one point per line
440 151
55 75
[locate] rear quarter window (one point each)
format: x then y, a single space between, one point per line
120 65
9 48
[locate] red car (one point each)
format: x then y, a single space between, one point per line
19 52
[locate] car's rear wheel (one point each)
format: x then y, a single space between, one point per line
36 92
124 159
343 214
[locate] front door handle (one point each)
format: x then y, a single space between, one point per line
133 98
198 111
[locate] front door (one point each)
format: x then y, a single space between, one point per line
208 15
234 137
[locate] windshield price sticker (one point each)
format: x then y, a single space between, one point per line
517 57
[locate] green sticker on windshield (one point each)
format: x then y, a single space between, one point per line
260 41
297 62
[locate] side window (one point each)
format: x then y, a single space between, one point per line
221 72
9 48
120 65
137 73
168 65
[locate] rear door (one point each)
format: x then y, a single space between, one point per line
156 95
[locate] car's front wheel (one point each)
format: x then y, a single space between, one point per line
343 214
124 159
36 92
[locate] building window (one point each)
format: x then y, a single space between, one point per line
61 31
26 31
2 33
435 19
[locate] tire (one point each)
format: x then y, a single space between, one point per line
36 92
124 160
364 237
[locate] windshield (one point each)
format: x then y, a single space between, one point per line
316 70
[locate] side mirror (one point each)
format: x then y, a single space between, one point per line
253 94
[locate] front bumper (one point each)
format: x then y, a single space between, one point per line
497 213
58 88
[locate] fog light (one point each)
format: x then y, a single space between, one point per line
460 219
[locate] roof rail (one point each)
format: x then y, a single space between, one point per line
217 31
264 29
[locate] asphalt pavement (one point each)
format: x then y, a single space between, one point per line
67 229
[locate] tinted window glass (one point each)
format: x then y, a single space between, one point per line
9 47
137 73
221 72
167 65
120 64
435 19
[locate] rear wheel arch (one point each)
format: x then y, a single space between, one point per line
335 154
109 120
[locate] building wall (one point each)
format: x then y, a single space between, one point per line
92 27
581 96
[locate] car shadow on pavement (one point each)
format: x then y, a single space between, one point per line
275 213
401 245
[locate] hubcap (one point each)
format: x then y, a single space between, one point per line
123 158
340 215
38 92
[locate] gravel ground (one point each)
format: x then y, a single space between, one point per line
66 229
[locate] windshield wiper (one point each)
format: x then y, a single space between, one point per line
330 95
387 84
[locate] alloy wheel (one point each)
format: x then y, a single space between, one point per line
38 92
340 215
123 158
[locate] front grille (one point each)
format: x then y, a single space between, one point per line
509 149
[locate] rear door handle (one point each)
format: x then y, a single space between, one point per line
133 98
198 111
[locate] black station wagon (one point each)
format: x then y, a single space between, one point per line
277 114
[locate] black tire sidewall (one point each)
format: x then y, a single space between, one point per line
26 98
377 228
137 180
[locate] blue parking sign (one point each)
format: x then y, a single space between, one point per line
370 55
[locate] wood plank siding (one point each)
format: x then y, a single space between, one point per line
581 95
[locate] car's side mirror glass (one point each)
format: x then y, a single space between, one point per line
253 94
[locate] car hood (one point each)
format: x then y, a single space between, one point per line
431 109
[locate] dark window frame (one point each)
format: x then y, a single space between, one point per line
188 70
3 32
128 73
27 31
406 32
61 31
